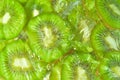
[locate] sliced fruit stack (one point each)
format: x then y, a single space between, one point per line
59 39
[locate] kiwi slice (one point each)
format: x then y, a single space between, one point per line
49 36
110 66
59 5
2 44
22 1
74 12
55 73
36 7
82 34
104 39
17 62
2 78
89 9
79 67
109 11
64 7
12 19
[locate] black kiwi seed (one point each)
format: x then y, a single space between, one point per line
17 62
49 36
12 19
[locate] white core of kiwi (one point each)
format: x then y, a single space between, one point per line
21 63
115 9
49 37
6 18
116 71
81 74
85 30
35 12
111 42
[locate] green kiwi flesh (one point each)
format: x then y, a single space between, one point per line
65 7
55 73
104 39
79 67
90 10
109 11
74 12
22 1
49 36
82 34
59 5
110 67
17 62
2 44
36 7
12 18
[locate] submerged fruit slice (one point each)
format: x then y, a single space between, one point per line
36 7
104 39
70 9
79 67
109 10
22 1
110 66
12 19
56 72
82 34
17 62
49 36
2 44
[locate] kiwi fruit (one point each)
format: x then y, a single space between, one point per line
1 77
59 39
82 34
12 19
2 44
22 1
110 66
74 12
18 62
55 73
49 36
69 10
104 39
64 7
36 7
79 67
109 12
90 10
97 37
59 5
